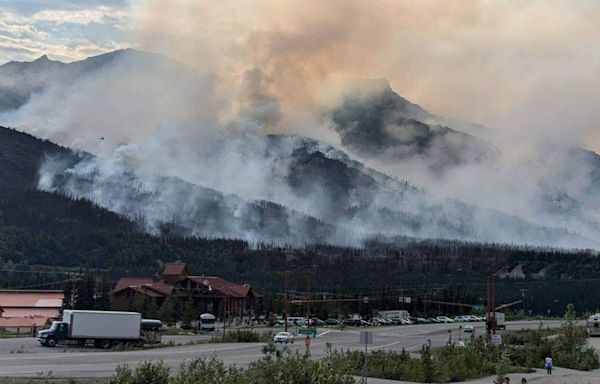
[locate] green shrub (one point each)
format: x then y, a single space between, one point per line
243 336
275 367
149 372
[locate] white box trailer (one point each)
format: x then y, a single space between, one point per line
398 314
102 328
103 324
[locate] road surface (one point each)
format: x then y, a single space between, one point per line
26 358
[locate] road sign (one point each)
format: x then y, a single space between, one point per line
308 331
497 340
366 337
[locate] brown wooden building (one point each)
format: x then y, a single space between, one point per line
210 294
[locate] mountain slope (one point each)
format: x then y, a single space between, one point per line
374 121
19 81
167 163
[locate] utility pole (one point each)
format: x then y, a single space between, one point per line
225 306
286 300
491 307
523 290
308 301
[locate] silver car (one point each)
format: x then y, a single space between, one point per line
283 337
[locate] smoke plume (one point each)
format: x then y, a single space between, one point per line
247 70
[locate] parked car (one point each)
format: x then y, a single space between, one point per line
462 318
468 328
433 319
332 321
353 322
283 337
316 321
422 320
444 319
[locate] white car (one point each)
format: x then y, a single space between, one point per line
283 337
444 319
468 328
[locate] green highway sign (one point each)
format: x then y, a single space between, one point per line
308 331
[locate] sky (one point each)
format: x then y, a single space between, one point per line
527 68
64 30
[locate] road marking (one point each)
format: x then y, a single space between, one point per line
323 333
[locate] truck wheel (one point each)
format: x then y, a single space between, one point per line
51 342
117 343
105 344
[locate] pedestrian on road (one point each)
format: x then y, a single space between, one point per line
523 381
506 380
548 365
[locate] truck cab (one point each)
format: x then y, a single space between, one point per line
50 337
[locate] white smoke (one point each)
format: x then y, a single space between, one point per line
279 70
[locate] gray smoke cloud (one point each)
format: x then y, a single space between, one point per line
203 145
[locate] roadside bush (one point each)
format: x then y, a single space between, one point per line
243 336
275 367
212 371
148 372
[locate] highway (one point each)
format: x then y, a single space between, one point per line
24 357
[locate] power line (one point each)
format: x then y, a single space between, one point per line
40 285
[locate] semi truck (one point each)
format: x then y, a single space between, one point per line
103 329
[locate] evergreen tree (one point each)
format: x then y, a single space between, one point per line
103 295
167 312
68 296
152 312
189 314
85 290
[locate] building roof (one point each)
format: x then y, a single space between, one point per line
224 286
161 288
30 299
175 268
144 285
23 321
31 312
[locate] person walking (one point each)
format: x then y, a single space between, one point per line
523 381
506 380
548 365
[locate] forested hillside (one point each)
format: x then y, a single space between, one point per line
43 235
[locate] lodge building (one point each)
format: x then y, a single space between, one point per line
210 294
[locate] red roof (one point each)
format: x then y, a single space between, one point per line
31 312
176 268
30 299
144 285
153 288
224 286
23 321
